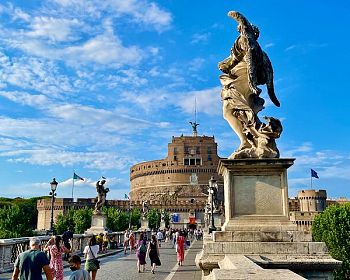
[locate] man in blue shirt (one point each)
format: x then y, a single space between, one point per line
29 264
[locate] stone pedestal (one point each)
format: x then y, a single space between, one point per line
217 220
257 229
162 225
98 224
144 224
256 193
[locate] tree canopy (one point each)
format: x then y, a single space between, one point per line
332 226
18 217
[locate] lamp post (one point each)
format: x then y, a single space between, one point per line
130 209
53 194
212 185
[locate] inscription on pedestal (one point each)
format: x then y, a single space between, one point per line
257 195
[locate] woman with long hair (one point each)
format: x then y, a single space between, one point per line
153 253
141 252
90 252
56 250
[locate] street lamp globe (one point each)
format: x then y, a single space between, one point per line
53 185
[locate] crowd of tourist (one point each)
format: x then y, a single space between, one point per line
30 264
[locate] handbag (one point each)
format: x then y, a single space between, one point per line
95 261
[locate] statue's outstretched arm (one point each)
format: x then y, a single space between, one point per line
239 18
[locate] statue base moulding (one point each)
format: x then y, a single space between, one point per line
144 224
98 224
257 234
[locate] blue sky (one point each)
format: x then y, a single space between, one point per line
97 86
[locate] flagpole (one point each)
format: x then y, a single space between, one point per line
311 179
73 186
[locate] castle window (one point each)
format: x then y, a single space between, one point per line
192 161
175 150
175 158
209 150
197 150
209 157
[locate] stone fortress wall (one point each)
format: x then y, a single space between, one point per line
186 170
312 200
309 204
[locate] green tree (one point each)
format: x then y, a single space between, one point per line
153 217
15 221
63 222
82 219
332 226
166 218
135 218
117 220
78 220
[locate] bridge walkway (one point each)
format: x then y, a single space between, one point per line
119 266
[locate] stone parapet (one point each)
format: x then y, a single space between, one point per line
240 267
11 248
291 248
268 235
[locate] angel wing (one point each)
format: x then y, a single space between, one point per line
268 71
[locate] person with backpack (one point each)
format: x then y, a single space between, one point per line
141 252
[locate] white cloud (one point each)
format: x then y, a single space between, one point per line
53 28
25 98
20 14
141 11
89 160
208 101
200 38
33 73
105 49
291 47
196 64
269 45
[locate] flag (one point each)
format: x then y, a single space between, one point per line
76 177
126 196
314 174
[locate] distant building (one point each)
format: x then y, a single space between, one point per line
177 184
182 175
307 205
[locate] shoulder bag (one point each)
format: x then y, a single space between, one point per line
94 260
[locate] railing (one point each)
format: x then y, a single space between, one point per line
11 248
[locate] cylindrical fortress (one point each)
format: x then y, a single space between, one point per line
312 200
184 173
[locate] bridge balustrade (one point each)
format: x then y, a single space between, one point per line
11 248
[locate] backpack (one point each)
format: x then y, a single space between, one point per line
142 248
